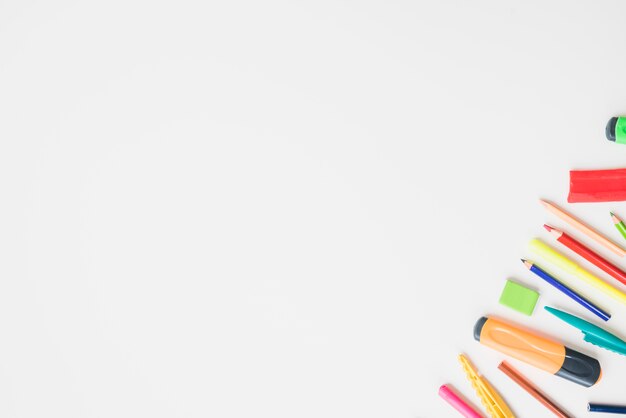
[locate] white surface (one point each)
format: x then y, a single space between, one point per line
288 209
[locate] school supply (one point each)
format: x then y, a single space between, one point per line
448 395
545 354
566 290
532 390
588 254
619 224
519 298
582 227
597 185
616 130
592 333
609 409
552 256
494 403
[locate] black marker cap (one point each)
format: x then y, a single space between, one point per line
610 129
580 368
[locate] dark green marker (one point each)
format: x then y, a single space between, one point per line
616 130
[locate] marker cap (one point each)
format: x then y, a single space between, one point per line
616 130
610 129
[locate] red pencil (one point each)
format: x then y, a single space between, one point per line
589 255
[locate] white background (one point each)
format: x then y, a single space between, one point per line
289 209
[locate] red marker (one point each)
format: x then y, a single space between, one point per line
589 255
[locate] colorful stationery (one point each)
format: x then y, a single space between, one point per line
588 254
457 403
605 185
519 298
609 409
585 229
619 224
592 333
532 389
566 290
552 256
545 354
597 185
494 403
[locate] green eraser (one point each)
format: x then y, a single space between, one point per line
519 297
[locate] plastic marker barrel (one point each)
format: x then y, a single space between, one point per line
457 403
545 354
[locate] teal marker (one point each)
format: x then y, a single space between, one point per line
616 130
593 333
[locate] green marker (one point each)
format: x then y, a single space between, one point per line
616 130
619 224
593 333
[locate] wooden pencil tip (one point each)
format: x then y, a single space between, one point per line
548 228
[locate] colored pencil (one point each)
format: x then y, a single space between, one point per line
619 224
566 290
584 228
532 390
609 409
588 254
552 256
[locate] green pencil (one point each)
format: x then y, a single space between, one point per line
619 224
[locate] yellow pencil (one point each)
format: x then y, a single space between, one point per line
551 255
584 228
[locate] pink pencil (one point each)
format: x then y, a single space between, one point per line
584 228
457 403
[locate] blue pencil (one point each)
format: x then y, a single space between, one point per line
569 292
611 409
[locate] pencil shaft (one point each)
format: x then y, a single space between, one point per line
611 409
593 257
584 228
532 390
621 228
552 256
571 293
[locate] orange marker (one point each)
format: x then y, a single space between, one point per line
545 354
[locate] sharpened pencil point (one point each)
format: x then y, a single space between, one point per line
615 219
585 229
523 261
548 228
